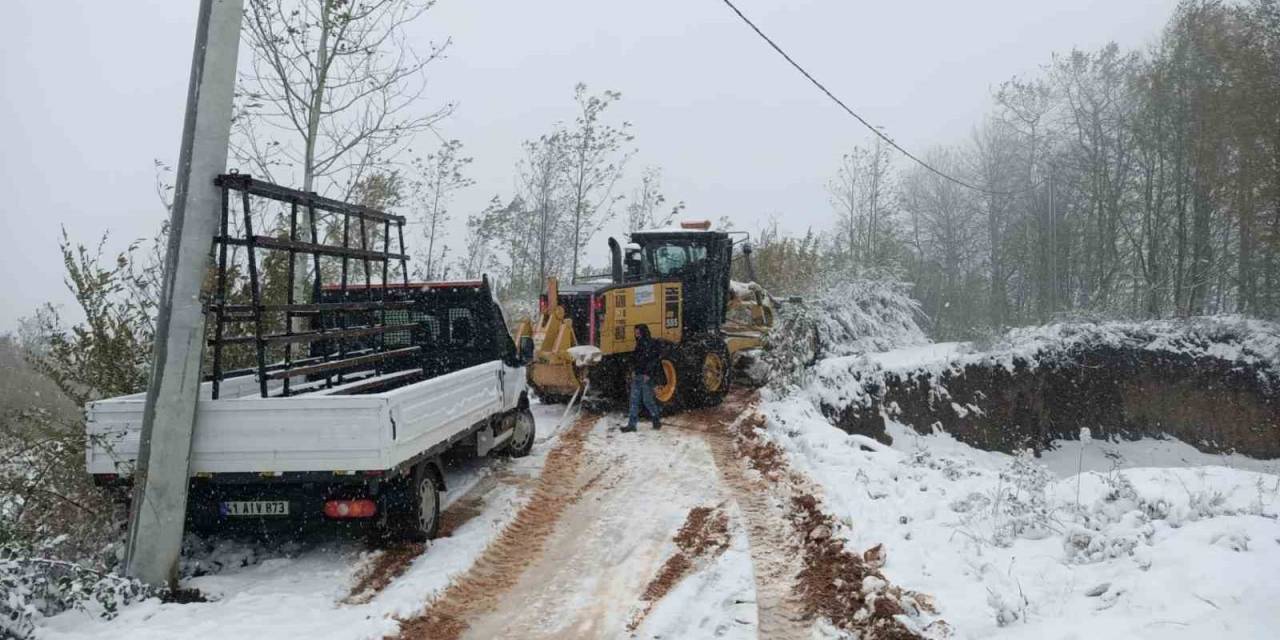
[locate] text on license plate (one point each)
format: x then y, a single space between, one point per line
256 508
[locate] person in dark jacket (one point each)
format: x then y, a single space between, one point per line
646 366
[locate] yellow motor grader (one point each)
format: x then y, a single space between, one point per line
676 281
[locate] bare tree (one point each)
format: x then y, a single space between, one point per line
1099 103
483 230
996 169
594 159
333 93
860 194
439 176
643 211
334 87
948 236
542 178
847 199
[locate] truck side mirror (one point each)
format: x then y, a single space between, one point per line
526 349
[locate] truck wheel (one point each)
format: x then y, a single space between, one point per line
426 505
419 519
522 434
711 381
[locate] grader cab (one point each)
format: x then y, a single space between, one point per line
676 281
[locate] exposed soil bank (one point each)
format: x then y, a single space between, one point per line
1213 404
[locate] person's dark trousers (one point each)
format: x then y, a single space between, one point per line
642 391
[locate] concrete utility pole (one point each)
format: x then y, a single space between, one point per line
168 421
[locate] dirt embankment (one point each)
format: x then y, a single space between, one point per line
1213 404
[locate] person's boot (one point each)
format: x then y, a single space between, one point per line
657 424
628 428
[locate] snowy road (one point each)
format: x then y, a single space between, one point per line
593 554
637 489
577 540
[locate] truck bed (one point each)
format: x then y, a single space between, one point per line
244 433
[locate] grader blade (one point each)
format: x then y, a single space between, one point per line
552 373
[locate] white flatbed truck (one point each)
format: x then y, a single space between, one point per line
366 452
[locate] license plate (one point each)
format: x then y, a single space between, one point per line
256 508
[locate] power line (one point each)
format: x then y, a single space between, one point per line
859 118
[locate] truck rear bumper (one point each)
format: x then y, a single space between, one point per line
207 504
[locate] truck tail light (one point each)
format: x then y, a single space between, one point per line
347 509
597 304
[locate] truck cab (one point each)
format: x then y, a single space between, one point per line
456 324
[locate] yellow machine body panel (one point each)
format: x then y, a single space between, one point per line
552 371
657 305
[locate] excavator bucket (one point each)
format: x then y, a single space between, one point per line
552 373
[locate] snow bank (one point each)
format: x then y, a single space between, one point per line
1100 537
1010 549
1244 341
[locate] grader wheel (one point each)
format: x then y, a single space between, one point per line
709 368
667 393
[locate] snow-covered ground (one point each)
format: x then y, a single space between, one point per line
612 540
298 591
1145 539
724 594
1093 539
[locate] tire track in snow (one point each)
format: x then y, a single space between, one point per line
505 560
774 554
590 578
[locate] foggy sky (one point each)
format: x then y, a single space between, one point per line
93 92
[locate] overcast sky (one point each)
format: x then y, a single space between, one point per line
94 92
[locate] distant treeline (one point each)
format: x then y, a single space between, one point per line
1143 183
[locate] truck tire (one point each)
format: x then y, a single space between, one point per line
418 518
709 371
523 432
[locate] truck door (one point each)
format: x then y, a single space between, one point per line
511 374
